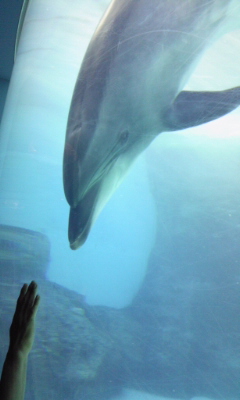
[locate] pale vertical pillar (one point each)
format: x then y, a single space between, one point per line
53 42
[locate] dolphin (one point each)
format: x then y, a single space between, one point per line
130 89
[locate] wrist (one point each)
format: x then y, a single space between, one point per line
16 354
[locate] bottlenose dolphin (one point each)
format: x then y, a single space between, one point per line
129 89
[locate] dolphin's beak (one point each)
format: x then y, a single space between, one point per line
81 217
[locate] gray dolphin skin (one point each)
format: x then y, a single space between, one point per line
129 89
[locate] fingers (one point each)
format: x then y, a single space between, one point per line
22 295
35 305
28 301
23 290
30 294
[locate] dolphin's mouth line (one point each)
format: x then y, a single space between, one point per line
104 170
100 172
151 32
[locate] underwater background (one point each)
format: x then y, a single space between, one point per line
148 308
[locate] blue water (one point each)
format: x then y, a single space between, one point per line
159 273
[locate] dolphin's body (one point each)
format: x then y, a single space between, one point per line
129 90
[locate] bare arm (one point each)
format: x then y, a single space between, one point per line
13 380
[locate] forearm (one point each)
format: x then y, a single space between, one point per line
13 380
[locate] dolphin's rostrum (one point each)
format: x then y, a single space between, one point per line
129 90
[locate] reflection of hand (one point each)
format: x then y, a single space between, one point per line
22 327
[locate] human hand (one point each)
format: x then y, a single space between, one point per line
23 324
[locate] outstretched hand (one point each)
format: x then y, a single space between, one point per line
22 327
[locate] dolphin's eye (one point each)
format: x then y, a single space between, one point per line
123 137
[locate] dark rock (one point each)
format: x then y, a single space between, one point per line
179 338
24 253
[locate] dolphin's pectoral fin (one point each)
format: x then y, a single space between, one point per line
196 108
